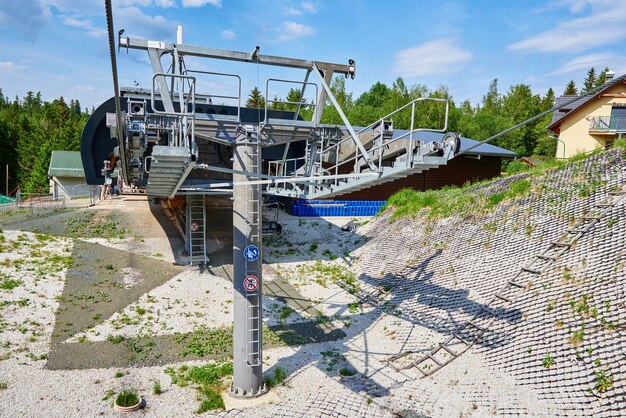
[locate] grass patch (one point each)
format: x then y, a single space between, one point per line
216 342
450 201
115 339
9 284
278 378
156 387
284 313
322 273
209 380
87 225
603 381
127 398
465 200
576 338
548 361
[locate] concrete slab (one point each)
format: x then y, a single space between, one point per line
235 403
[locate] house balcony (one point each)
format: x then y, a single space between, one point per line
607 125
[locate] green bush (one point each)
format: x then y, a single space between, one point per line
516 166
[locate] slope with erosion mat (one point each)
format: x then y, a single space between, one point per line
441 255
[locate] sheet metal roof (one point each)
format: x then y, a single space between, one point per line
66 164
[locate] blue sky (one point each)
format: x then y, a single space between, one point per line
59 47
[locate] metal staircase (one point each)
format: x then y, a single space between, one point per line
169 167
195 229
471 332
362 159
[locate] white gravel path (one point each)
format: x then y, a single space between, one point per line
32 275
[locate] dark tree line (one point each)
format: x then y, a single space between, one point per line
31 128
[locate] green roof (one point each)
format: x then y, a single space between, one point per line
66 164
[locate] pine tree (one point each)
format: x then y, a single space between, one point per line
256 99
570 89
293 96
602 77
590 80
548 101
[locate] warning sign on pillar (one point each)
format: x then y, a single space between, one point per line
251 283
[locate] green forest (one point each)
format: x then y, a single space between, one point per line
31 128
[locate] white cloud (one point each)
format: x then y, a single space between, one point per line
292 11
78 23
599 61
139 24
584 63
292 30
164 3
439 56
200 3
602 26
229 34
85 24
83 88
7 67
309 7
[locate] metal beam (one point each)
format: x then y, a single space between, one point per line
303 180
321 99
345 120
199 51
157 68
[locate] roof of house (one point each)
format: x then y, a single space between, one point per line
66 164
487 150
565 109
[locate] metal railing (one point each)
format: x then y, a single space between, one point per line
298 104
184 127
285 168
380 124
607 124
209 97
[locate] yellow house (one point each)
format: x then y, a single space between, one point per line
590 122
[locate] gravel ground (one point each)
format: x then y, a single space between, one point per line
315 261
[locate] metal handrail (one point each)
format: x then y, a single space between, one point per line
382 143
281 165
607 123
238 97
381 120
313 104
190 96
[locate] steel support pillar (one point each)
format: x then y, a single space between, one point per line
247 274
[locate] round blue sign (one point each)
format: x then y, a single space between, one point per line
251 253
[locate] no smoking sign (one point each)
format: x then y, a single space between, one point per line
251 283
